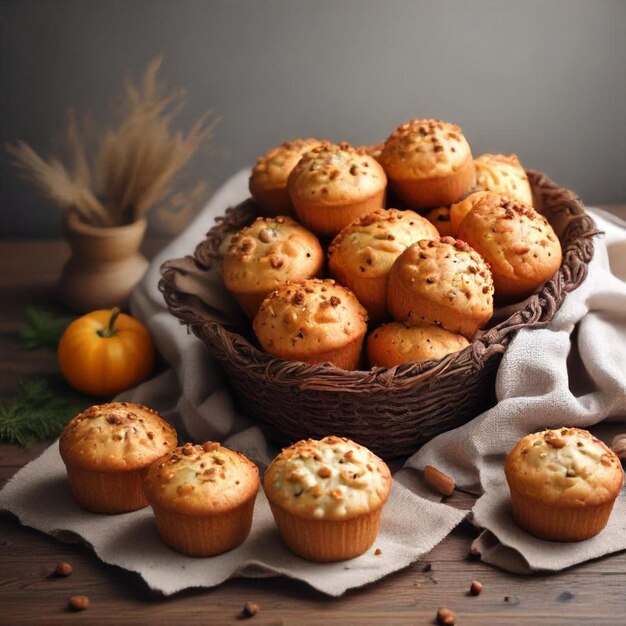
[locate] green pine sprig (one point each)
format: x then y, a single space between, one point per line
34 413
42 329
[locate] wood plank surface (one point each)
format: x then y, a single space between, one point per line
590 594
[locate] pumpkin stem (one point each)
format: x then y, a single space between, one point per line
110 330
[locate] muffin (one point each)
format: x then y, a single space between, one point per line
269 252
443 282
326 497
458 210
518 243
429 163
203 498
362 254
268 181
563 484
440 219
396 343
107 450
505 174
315 321
374 150
333 185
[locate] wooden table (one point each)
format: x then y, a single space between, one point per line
591 594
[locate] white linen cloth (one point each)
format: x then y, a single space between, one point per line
534 387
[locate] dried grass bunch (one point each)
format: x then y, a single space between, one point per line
135 163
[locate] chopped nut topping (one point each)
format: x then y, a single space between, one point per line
210 446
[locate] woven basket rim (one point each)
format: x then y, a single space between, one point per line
538 310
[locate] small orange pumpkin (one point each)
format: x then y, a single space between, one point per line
105 352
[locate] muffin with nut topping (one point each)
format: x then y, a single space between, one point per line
107 450
396 343
362 254
326 497
503 174
315 321
429 163
518 243
563 484
203 498
332 185
270 251
443 282
268 181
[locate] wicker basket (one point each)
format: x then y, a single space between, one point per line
391 411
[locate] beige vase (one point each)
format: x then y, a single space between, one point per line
104 266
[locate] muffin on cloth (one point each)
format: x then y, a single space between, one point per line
518 243
314 321
270 251
268 181
107 450
443 282
563 484
362 254
429 163
332 185
396 343
505 174
326 497
203 498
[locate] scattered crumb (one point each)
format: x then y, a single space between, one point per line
79 603
250 609
378 552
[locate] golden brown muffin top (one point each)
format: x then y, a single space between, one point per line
336 174
396 343
268 252
447 271
517 240
498 172
424 148
272 169
370 245
566 467
314 315
201 479
116 436
331 479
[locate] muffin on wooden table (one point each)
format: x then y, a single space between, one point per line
362 254
268 181
443 282
313 321
203 498
429 163
396 343
505 174
332 185
518 243
563 484
326 497
269 252
107 450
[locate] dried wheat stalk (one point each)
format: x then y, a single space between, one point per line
136 162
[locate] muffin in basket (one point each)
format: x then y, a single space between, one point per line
429 163
326 497
443 282
396 343
315 321
332 185
563 484
107 450
270 251
203 498
268 181
518 243
362 254
505 174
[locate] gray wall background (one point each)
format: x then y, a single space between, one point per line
543 78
